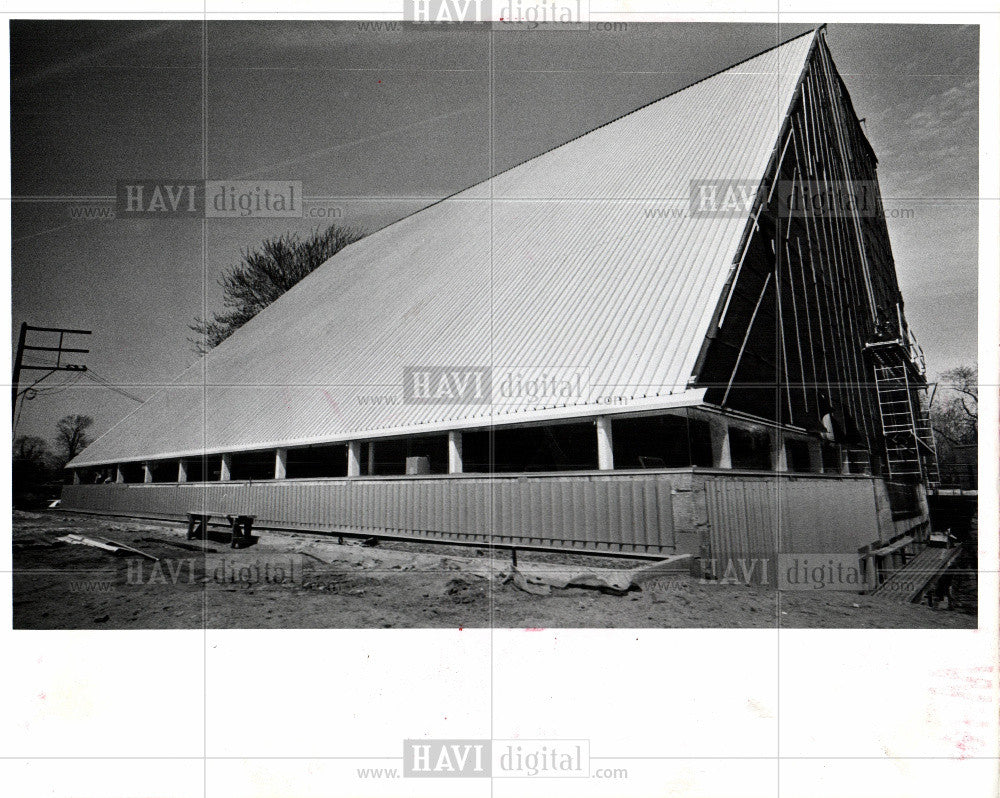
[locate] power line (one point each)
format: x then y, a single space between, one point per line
111 386
106 383
55 390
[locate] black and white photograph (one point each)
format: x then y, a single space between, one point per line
535 334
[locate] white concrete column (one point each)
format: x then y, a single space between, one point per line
119 474
227 468
779 455
147 473
280 463
454 452
76 476
721 456
605 444
182 470
354 459
371 458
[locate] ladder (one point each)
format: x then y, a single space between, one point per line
925 439
911 454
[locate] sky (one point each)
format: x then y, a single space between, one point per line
379 123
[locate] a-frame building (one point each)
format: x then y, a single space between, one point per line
701 294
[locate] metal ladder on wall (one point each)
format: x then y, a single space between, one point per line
909 439
925 438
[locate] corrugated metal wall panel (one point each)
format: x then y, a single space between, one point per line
753 518
807 511
622 513
742 523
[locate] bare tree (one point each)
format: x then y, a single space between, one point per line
28 448
955 414
955 419
31 470
71 436
262 276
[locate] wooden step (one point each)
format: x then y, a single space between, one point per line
909 583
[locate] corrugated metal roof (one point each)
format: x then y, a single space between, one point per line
554 264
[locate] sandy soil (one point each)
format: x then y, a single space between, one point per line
310 581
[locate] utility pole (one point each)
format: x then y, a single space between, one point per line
59 349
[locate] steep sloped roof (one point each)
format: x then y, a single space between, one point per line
581 258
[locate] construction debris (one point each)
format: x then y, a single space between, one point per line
533 585
541 579
535 578
131 549
80 540
111 546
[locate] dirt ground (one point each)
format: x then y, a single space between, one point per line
290 580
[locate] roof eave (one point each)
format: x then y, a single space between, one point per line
687 398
